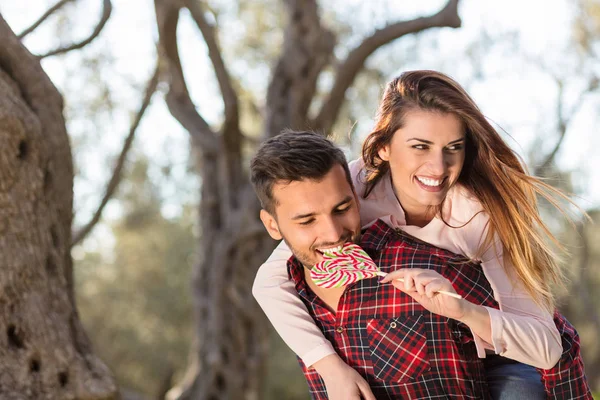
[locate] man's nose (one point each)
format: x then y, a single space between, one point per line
332 230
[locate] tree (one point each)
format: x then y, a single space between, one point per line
230 345
45 351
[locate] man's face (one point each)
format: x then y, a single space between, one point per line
314 215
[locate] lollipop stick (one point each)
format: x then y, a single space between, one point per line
455 295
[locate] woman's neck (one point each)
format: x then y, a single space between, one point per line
415 214
416 219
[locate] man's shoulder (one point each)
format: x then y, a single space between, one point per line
376 235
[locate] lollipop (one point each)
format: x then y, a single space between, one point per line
347 265
343 267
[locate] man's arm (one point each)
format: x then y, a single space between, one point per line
277 296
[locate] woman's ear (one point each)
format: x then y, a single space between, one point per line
270 224
384 153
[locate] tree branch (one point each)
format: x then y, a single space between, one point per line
231 134
562 122
106 11
352 65
117 173
40 20
307 49
178 98
230 98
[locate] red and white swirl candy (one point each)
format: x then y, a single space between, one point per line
343 267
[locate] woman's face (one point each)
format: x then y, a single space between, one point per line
426 156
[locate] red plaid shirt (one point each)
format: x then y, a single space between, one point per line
567 379
407 352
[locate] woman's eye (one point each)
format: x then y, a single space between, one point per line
456 147
420 147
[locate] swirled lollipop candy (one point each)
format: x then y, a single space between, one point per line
342 267
347 265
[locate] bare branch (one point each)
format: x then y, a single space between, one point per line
352 65
178 98
106 11
562 123
40 20
307 48
230 98
230 131
117 173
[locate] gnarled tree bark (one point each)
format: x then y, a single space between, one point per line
44 351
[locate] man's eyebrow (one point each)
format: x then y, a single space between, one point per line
346 200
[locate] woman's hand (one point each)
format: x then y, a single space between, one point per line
422 285
342 381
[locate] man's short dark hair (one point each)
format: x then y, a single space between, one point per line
293 156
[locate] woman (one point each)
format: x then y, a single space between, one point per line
434 167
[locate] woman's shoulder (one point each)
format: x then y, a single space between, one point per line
468 219
358 173
357 170
465 208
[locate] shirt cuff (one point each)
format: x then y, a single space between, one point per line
317 354
497 345
497 323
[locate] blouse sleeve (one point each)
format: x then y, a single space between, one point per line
276 293
522 330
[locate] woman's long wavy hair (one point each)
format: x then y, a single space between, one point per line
492 172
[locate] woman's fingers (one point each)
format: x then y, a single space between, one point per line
417 280
433 287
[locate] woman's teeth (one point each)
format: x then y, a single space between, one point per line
430 182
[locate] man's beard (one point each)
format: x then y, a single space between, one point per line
309 259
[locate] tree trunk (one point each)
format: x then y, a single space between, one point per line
230 346
44 352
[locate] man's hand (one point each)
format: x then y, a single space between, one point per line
341 381
423 285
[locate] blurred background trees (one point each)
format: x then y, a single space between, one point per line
535 76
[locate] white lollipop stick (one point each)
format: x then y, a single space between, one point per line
455 295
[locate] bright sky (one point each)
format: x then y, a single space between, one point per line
516 94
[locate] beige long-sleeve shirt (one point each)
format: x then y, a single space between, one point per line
521 329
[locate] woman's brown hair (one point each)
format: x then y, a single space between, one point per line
492 172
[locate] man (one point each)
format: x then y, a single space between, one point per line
401 349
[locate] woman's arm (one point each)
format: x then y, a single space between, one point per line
527 339
277 296
521 330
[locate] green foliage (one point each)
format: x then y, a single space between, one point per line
134 297
284 378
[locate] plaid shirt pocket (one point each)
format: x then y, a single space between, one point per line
398 348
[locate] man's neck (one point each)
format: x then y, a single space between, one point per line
330 296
